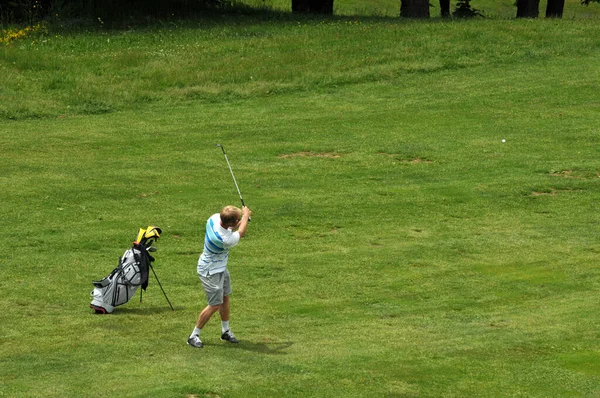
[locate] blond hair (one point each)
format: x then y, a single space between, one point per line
230 215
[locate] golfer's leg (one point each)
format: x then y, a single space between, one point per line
227 334
213 287
205 315
224 309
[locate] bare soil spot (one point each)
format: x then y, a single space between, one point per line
146 195
418 160
412 160
309 154
578 174
539 193
206 395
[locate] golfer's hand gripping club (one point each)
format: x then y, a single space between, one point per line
247 212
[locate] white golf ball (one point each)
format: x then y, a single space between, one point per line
503 140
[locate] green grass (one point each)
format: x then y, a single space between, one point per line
397 247
90 73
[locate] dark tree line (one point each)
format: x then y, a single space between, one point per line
420 8
313 6
29 10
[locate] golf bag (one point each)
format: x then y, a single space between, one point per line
131 273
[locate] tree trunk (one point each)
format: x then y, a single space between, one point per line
554 8
528 8
445 8
414 8
314 6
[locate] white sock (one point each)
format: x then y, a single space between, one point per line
224 326
196 332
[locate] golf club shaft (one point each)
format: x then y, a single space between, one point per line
233 176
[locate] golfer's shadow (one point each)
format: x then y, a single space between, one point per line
264 348
141 310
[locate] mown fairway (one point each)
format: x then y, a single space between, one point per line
398 247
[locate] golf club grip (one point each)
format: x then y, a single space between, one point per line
244 205
249 217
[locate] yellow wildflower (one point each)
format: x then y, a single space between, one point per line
7 36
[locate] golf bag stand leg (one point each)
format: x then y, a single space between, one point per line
161 288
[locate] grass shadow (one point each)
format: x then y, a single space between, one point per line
270 348
142 310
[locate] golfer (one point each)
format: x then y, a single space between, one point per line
223 231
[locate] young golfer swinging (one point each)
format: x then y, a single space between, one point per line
212 268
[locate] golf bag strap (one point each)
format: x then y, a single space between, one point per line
143 260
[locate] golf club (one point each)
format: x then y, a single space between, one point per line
232 175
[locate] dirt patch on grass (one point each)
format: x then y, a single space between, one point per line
563 173
308 154
554 192
543 193
146 195
577 174
402 159
418 160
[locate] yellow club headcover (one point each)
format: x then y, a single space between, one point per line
140 236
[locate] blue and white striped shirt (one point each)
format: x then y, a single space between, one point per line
217 243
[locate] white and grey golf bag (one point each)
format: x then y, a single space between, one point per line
122 283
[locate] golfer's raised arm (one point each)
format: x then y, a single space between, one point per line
246 213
